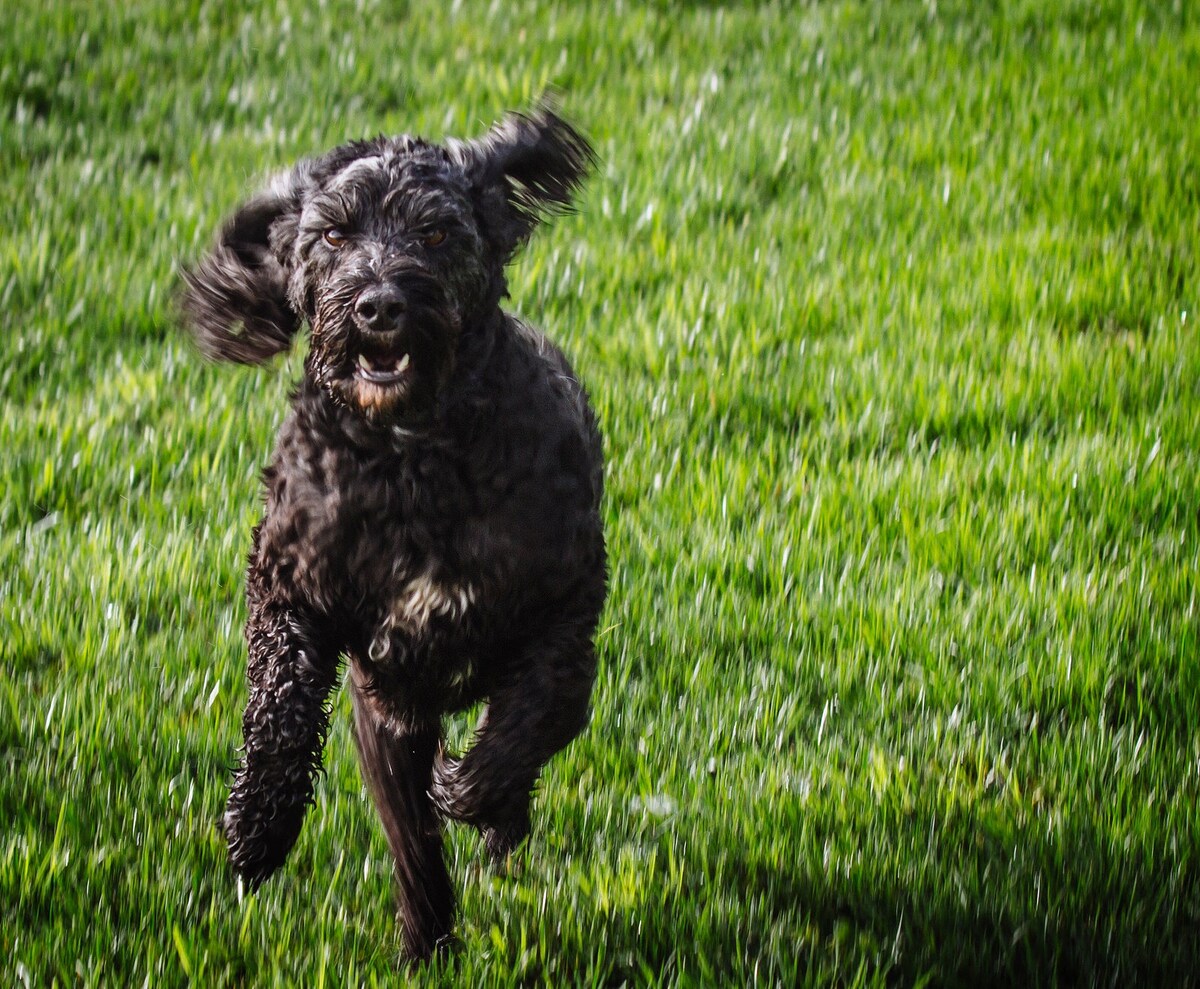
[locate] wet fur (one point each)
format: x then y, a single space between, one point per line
441 534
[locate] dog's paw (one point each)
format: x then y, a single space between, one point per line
258 846
503 840
416 953
502 817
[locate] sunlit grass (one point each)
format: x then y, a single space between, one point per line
888 312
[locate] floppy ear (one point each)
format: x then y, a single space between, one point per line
526 168
235 299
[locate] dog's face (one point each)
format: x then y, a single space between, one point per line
389 263
391 250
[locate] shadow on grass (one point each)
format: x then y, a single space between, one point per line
1060 911
1058 904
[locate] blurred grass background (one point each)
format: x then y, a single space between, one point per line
888 312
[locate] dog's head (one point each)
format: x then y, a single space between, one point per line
390 249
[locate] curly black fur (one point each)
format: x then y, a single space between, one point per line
433 501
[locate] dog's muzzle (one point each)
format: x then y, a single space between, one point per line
380 314
380 309
390 350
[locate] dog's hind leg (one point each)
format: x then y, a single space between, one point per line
397 763
533 713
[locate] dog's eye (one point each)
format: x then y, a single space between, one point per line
334 237
435 239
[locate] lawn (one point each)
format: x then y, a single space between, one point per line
888 312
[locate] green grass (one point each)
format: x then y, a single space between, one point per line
888 310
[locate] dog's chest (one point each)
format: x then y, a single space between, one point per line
425 638
420 603
419 555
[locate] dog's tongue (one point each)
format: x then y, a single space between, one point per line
383 367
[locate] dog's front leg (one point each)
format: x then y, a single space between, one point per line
540 706
291 672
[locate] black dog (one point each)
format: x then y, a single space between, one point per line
433 502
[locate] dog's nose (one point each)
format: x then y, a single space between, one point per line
379 308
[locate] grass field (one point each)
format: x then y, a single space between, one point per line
888 311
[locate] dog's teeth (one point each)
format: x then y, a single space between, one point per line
383 370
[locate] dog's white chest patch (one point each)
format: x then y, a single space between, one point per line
420 599
425 596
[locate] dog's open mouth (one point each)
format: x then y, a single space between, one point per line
382 369
381 379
